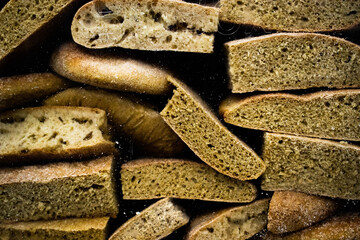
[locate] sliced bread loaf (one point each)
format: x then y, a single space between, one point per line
311 166
207 137
154 222
326 114
147 25
53 132
156 178
284 61
58 190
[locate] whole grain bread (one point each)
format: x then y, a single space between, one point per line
156 178
146 25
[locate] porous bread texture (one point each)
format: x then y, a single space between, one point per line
155 222
70 229
58 190
325 114
241 222
23 89
108 71
285 61
291 211
146 25
310 165
142 124
207 137
52 133
297 16
157 178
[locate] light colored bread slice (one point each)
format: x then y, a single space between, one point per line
285 61
108 71
240 222
58 190
302 16
291 211
326 114
53 133
20 90
311 165
154 222
70 229
156 178
143 125
207 137
146 25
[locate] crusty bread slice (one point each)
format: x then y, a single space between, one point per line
296 15
190 117
70 229
311 165
241 222
291 211
53 133
146 24
58 190
156 178
285 61
155 222
108 71
326 114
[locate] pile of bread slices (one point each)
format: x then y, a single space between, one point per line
83 141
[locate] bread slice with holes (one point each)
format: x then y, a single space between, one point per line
285 61
146 25
325 114
53 133
155 222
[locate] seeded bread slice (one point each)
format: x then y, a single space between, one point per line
154 222
310 165
206 136
53 133
70 229
58 190
146 25
156 178
326 114
285 61
301 16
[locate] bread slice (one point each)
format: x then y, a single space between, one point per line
108 71
154 222
326 114
297 16
241 222
146 25
58 190
53 133
291 211
310 165
285 61
142 124
205 135
70 229
157 178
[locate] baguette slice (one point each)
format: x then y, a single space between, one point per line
156 178
58 190
70 229
206 136
241 222
154 222
326 114
297 16
310 165
146 25
285 61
